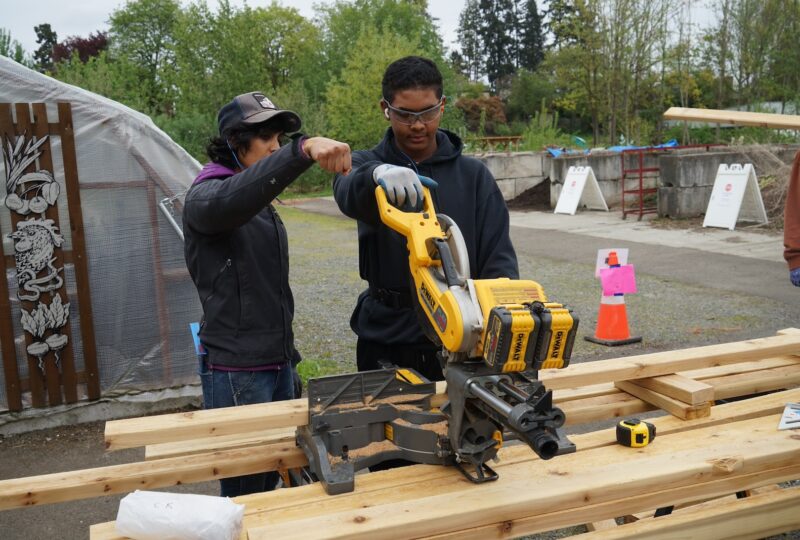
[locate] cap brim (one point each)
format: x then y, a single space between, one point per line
288 121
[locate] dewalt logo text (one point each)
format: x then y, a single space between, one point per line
430 303
518 344
557 342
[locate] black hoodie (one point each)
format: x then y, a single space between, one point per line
467 193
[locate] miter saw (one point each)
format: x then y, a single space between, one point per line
495 335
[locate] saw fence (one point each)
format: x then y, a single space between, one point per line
703 455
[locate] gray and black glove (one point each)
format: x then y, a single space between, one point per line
403 186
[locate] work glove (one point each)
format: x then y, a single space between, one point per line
403 186
794 275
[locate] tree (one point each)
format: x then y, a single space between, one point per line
528 91
82 48
343 22
236 50
562 23
12 48
116 79
469 37
784 64
46 38
498 38
531 39
483 115
353 98
142 32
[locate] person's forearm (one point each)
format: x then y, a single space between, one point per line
355 192
216 206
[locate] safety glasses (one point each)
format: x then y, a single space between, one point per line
410 118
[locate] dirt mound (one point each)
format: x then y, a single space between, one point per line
535 198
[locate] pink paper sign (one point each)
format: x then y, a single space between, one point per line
620 279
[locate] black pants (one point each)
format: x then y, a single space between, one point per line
422 358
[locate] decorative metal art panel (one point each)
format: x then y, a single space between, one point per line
35 241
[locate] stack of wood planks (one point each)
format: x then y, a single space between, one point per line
702 451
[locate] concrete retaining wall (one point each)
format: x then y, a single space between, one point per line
688 178
684 180
516 172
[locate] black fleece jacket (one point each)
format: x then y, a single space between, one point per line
237 253
467 193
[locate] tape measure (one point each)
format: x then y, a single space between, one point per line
635 433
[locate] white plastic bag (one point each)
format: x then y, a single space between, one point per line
153 515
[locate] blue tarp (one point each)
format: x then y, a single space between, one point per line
555 152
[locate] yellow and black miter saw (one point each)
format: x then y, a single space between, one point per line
495 335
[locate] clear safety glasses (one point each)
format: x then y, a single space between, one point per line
410 118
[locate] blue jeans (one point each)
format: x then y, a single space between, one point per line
232 388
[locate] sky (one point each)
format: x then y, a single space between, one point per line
81 17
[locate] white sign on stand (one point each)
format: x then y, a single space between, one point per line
580 187
735 197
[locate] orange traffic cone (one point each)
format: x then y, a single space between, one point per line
612 318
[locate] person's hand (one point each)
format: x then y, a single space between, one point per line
794 276
333 156
403 186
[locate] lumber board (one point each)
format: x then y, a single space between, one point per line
660 401
754 383
577 403
571 481
556 519
757 516
60 487
601 525
678 387
72 485
664 363
744 367
739 118
215 444
398 480
785 331
134 432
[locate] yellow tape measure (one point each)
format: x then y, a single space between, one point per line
635 433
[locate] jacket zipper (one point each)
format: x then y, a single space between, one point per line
278 222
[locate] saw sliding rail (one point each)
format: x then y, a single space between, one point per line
360 420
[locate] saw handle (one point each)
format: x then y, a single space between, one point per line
393 214
417 227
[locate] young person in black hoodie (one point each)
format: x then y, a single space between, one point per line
236 251
416 152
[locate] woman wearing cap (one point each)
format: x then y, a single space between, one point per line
236 250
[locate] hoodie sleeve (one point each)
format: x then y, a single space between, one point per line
215 206
496 256
355 192
791 218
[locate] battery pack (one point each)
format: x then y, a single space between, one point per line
556 335
511 337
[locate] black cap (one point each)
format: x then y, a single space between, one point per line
255 108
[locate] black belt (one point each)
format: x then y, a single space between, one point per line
394 298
